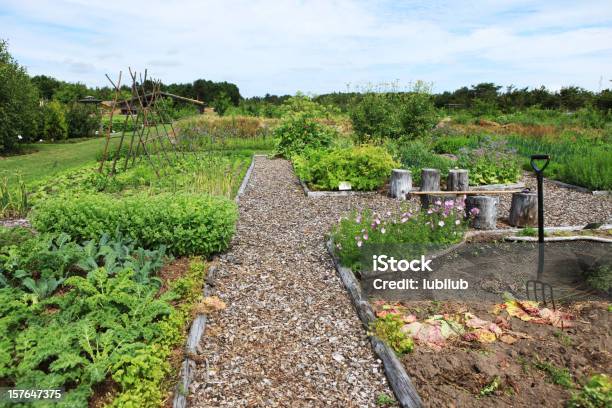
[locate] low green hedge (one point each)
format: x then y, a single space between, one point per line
187 224
365 167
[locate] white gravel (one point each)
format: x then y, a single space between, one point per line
289 336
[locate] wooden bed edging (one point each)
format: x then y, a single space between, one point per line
560 239
196 332
400 381
198 326
313 194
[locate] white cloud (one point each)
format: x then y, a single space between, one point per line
316 46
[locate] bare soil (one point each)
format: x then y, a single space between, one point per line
456 375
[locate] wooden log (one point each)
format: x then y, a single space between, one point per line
401 183
523 210
430 181
466 192
457 180
486 217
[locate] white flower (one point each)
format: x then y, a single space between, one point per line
457 222
441 223
382 230
19 137
359 243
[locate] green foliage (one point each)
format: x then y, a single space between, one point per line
298 132
14 200
417 115
221 103
186 224
365 167
600 278
387 328
18 103
453 144
580 161
558 375
411 230
490 167
385 400
14 235
596 393
491 387
82 120
54 121
417 155
101 325
374 118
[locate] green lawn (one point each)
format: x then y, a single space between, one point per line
50 159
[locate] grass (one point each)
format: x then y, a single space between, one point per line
558 375
50 159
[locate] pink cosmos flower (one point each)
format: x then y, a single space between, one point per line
430 211
404 219
365 236
474 211
438 202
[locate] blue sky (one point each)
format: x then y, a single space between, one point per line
316 46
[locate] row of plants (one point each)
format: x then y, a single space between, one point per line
93 315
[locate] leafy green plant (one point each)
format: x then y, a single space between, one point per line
558 375
385 400
365 167
298 132
600 278
596 393
54 121
186 224
14 201
417 155
453 144
491 387
387 328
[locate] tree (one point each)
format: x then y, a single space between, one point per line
82 120
54 122
18 102
47 86
221 103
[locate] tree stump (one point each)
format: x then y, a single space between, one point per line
430 181
486 218
523 210
401 183
457 180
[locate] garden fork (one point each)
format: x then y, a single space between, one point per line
538 285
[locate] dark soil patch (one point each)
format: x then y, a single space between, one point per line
172 271
103 393
457 375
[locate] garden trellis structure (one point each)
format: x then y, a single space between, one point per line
147 130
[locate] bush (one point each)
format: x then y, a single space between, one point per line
453 144
417 155
417 115
365 167
186 224
54 122
18 103
374 118
299 131
82 120
490 167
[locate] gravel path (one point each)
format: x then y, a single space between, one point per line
289 335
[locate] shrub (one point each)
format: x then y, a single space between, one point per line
54 121
374 118
186 224
221 103
82 120
299 131
416 155
417 114
453 144
365 167
388 329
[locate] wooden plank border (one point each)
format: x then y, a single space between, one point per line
400 381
